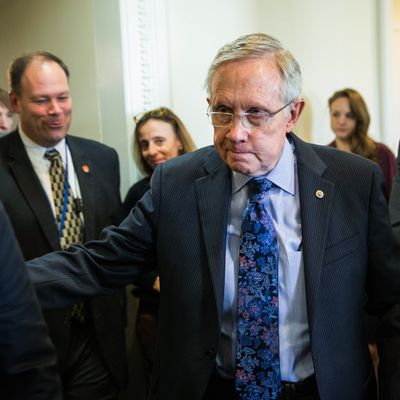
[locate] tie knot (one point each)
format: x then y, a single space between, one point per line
258 188
52 155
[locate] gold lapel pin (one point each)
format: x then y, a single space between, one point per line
85 168
319 194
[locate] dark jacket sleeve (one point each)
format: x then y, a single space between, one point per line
387 162
27 357
394 203
134 194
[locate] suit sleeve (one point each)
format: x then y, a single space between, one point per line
27 357
394 203
384 292
123 255
389 333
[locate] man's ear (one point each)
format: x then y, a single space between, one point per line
208 100
295 111
14 102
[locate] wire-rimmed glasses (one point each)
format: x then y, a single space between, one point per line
251 119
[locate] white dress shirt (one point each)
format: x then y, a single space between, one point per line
41 165
283 204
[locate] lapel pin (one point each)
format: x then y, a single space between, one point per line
85 168
319 194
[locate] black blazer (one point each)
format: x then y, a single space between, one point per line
27 357
26 203
394 203
348 247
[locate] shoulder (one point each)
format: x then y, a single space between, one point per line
384 150
345 169
331 156
93 151
195 162
89 144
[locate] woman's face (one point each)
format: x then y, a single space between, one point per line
6 120
343 121
158 142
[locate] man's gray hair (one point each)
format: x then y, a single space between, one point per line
257 45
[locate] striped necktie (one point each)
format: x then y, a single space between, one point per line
68 221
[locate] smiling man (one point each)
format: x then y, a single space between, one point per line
60 190
268 248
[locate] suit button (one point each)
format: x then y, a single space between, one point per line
209 354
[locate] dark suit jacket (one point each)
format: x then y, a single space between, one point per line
31 216
348 248
394 203
27 357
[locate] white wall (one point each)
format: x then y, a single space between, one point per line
336 46
67 30
85 34
335 43
390 66
197 29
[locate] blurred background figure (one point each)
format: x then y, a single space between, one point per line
28 364
6 113
158 137
350 121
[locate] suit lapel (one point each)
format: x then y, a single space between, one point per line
213 198
213 193
316 199
84 172
32 190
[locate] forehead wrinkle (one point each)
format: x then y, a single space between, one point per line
231 84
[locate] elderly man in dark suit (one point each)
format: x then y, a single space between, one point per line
28 365
268 247
59 190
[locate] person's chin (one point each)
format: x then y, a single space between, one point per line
56 135
342 135
240 166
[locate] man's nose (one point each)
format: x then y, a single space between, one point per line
54 107
238 131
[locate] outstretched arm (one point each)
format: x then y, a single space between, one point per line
122 256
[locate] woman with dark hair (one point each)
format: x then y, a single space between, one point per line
158 137
350 121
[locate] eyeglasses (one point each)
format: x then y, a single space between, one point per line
252 119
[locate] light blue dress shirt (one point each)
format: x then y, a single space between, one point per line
283 205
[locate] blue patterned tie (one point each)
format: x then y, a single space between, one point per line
257 355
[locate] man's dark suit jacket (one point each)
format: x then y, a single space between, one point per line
394 202
97 169
348 248
27 357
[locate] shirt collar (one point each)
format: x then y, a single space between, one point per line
36 151
282 175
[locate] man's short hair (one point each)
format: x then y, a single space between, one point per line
20 64
257 45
